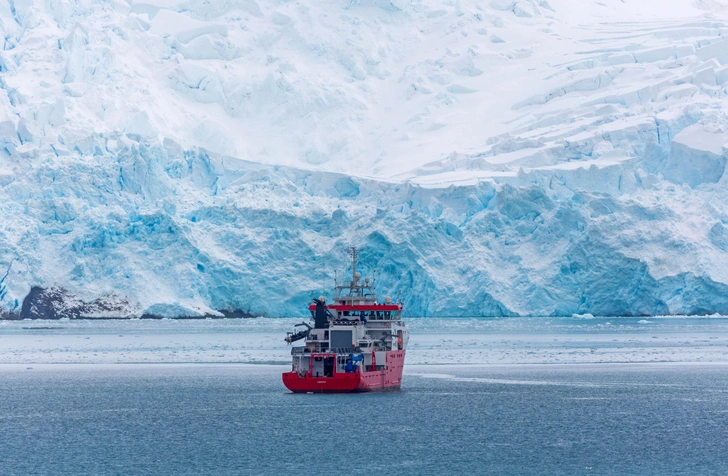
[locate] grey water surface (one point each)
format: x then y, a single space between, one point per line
177 419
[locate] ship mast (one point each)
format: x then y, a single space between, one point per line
354 253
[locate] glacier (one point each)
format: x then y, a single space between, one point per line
198 158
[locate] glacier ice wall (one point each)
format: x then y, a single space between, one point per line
183 158
187 233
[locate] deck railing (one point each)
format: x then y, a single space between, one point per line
340 350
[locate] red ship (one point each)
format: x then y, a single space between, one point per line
356 344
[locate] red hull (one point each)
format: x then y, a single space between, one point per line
368 381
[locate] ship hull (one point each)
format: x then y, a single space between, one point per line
363 381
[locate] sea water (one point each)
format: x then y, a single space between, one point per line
171 417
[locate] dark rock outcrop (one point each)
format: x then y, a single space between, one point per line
57 303
46 304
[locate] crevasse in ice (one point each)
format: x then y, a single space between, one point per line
181 158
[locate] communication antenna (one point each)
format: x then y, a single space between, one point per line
354 253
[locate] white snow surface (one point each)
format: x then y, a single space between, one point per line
531 157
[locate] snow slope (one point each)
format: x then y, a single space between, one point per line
176 157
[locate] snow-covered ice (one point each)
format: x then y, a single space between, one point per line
185 157
433 341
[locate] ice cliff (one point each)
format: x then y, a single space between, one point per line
532 157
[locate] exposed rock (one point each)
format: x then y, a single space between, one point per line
57 303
